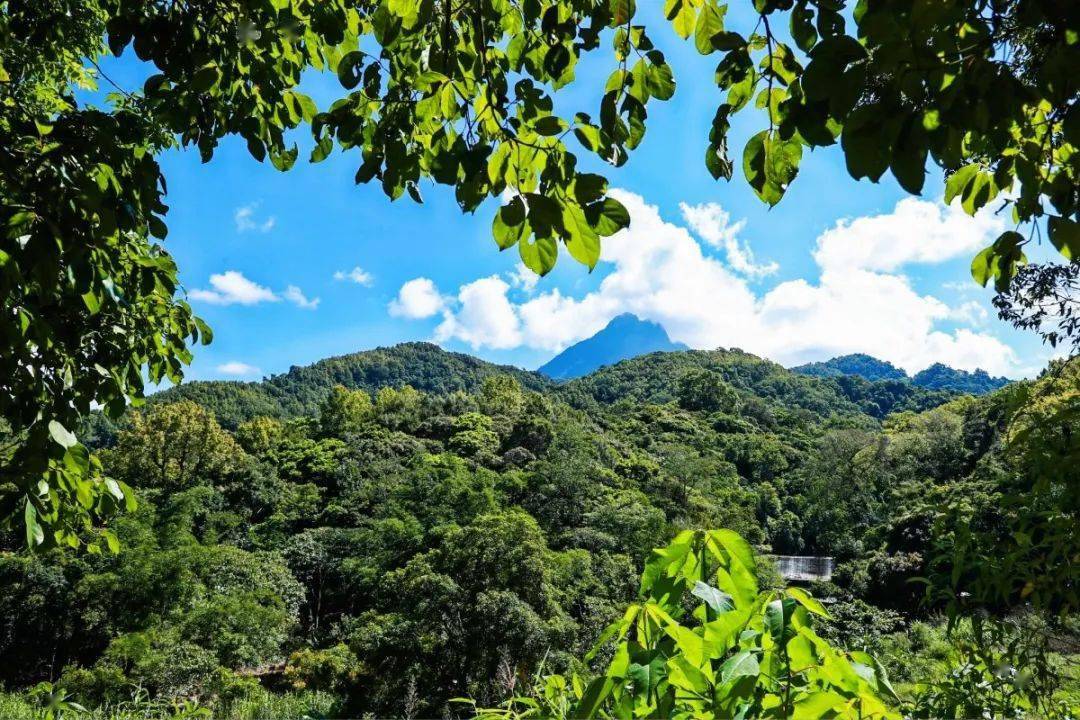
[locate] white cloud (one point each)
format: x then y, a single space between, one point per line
296 296
232 288
484 316
357 275
247 222
238 369
417 299
659 272
523 278
916 231
713 225
971 312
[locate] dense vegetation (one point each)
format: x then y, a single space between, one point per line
935 377
422 366
464 95
351 544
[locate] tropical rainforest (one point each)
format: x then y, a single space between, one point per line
412 533
409 532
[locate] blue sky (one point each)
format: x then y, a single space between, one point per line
269 258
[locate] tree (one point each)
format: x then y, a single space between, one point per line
706 390
459 94
173 445
344 411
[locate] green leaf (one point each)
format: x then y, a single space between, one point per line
958 181
710 23
807 601
206 334
719 601
607 217
350 69
589 187
778 618
682 16
982 266
593 698
539 255
582 240
978 192
717 162
999 261
816 705
283 160
61 435
622 11
157 227
802 27
770 163
548 125
35 535
1065 236
660 81
909 157
111 540
205 78
742 664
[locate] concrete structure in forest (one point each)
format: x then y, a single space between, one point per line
804 568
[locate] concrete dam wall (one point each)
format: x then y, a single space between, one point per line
805 568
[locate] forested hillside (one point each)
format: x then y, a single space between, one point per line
422 366
936 377
386 531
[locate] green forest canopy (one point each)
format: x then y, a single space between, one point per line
370 547
460 93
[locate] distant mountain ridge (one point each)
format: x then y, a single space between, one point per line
626 336
936 377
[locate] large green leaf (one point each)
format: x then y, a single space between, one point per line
1065 236
741 664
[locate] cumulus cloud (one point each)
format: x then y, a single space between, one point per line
417 299
296 296
713 225
657 270
523 278
971 313
357 275
246 220
232 288
916 231
238 369
484 317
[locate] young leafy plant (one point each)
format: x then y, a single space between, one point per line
704 642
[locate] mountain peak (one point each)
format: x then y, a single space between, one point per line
625 336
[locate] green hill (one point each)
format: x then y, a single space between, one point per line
654 378
344 554
299 391
936 377
865 366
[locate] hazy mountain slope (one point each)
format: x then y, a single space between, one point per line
626 336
